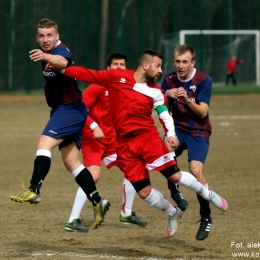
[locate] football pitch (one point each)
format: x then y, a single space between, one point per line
37 231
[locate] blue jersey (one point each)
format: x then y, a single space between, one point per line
199 89
60 89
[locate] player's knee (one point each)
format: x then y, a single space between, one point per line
197 173
145 192
175 178
143 188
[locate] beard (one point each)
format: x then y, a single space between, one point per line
150 78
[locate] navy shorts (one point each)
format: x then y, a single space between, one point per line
67 122
196 146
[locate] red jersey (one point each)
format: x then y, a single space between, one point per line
231 65
131 103
96 99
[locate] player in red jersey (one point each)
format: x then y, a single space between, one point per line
189 93
133 95
98 144
231 68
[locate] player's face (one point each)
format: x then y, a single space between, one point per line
184 64
154 69
117 64
47 38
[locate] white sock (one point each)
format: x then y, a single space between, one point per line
128 198
76 172
157 200
43 152
79 202
189 181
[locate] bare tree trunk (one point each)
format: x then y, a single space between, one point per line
103 34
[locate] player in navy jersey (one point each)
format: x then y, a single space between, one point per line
67 119
189 93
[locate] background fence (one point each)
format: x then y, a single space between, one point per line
93 28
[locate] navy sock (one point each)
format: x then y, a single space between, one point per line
41 168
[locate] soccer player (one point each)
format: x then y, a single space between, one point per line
231 68
67 119
98 144
133 95
189 93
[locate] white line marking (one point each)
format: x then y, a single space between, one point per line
79 255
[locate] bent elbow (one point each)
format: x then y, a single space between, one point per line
203 115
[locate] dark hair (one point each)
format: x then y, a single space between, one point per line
147 54
181 49
46 23
116 55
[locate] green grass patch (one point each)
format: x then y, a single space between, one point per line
235 90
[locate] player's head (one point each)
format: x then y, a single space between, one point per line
151 64
184 60
47 34
116 60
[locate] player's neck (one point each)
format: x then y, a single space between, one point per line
139 77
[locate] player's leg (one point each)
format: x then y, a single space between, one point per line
127 216
92 153
227 78
74 221
187 180
234 79
155 199
197 153
63 122
85 180
175 193
136 171
196 168
42 164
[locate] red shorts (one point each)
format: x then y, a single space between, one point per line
136 156
94 152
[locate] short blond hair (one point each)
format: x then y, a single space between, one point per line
181 49
47 23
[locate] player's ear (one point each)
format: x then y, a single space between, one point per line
145 66
193 63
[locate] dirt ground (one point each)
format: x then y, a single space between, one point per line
37 231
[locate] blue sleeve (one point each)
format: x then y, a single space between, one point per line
63 52
164 84
205 91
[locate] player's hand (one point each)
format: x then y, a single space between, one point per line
181 93
98 133
48 67
37 55
173 142
171 93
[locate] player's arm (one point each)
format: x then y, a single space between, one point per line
159 104
100 77
200 109
89 97
56 61
167 123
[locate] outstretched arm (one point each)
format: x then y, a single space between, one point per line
56 61
100 77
